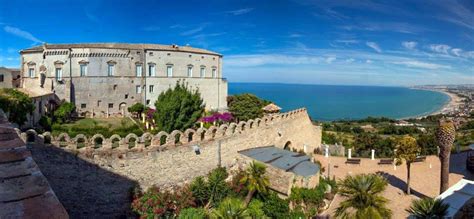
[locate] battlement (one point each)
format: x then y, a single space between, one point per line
161 141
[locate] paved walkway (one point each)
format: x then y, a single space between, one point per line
424 178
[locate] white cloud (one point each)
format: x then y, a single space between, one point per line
347 41
351 60
295 35
456 51
21 33
240 11
276 59
330 59
411 45
193 31
425 65
440 48
374 46
368 61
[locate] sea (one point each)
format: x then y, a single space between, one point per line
343 102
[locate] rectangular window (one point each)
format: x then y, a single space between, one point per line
2 78
147 102
139 70
151 70
98 102
31 72
59 74
111 105
83 69
83 105
203 72
190 71
214 73
110 70
152 88
138 89
169 71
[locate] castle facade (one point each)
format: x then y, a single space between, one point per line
104 79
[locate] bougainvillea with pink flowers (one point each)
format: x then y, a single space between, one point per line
218 117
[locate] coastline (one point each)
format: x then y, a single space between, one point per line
450 106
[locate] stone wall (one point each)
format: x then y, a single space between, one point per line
169 158
24 191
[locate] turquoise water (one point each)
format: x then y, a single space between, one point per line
333 102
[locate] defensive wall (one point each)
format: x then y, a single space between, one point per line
166 159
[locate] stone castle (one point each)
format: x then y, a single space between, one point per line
104 79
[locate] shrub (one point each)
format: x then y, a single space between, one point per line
155 203
255 209
193 213
200 190
17 104
46 123
275 207
64 112
217 187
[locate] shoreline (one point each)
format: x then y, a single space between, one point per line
448 107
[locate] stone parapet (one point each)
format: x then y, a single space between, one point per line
24 191
98 144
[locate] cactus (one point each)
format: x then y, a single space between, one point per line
445 135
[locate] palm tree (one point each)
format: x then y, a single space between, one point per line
230 208
445 135
255 180
408 150
363 197
428 208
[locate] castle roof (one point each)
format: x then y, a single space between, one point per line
141 46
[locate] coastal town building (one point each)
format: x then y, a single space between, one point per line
9 77
104 79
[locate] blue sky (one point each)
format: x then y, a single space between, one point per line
313 42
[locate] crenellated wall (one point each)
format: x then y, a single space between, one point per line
171 158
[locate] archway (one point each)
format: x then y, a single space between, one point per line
123 108
287 146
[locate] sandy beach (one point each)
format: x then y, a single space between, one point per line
454 102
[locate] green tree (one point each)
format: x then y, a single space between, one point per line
246 106
255 180
230 208
178 108
445 136
407 150
17 104
428 208
64 112
363 197
137 109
